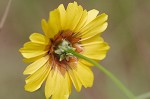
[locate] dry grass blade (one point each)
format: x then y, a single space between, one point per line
5 15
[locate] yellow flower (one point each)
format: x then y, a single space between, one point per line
72 28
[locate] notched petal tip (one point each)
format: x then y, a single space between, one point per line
43 21
105 16
44 25
95 10
20 50
33 35
27 88
93 13
104 27
25 73
75 3
61 6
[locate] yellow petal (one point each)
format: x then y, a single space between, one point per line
94 40
34 54
54 23
98 51
62 91
81 75
85 75
96 22
98 25
29 60
73 16
95 48
62 13
92 14
39 38
85 62
36 65
86 18
82 22
34 81
31 46
31 50
45 27
97 45
75 80
54 85
98 30
50 84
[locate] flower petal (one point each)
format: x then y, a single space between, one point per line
54 85
83 75
82 22
31 50
85 62
73 16
39 38
54 23
62 13
98 25
36 65
75 80
86 18
34 54
94 40
63 91
29 60
95 48
34 81
45 27
92 14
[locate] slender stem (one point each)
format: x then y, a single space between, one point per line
108 73
5 15
144 96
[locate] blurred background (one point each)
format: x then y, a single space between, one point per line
128 35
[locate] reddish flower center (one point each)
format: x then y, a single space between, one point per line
64 61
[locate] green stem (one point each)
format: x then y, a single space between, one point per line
108 73
144 96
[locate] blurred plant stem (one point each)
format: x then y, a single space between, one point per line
144 96
5 15
107 72
111 76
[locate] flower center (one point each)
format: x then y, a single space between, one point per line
60 50
61 59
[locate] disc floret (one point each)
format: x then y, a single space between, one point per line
61 50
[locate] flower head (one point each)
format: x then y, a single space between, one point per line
70 28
